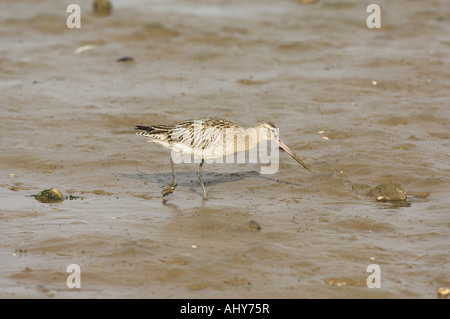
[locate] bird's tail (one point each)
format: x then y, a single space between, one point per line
154 128
159 132
144 128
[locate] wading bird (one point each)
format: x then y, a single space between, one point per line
210 138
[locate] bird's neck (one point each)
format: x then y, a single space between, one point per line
242 140
253 138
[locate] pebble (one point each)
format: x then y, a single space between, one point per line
125 59
102 7
388 192
254 225
443 292
83 48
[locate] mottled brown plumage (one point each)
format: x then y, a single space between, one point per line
210 138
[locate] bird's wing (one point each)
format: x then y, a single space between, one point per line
202 133
197 137
157 132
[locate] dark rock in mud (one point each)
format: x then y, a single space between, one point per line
388 192
125 59
254 225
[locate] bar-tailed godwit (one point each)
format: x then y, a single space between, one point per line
210 138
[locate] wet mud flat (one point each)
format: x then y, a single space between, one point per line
363 107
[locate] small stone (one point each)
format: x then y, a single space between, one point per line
125 59
388 192
443 292
83 48
254 225
102 7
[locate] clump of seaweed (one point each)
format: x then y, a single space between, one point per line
52 195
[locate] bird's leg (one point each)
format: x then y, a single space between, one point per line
199 175
173 184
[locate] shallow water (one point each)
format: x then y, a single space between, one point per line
379 96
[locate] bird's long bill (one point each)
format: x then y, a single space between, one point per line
288 150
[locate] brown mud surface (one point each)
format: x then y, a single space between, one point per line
68 108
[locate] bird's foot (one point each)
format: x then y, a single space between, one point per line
169 189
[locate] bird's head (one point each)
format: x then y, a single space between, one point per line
267 131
